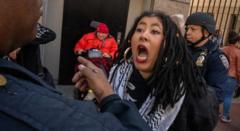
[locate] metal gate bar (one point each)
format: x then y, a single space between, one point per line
218 9
197 6
222 14
214 5
238 14
226 21
191 7
203 5
209 3
226 7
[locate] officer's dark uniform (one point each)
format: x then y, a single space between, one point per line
27 103
210 60
213 65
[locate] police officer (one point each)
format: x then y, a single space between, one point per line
27 103
212 63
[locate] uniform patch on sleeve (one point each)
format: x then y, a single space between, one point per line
3 81
224 60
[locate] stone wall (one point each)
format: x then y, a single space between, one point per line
172 7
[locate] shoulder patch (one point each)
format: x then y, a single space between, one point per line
3 80
224 60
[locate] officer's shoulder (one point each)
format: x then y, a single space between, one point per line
216 53
15 83
220 56
224 59
10 81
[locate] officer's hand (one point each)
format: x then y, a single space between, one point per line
93 77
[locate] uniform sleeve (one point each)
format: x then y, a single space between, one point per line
217 73
34 107
30 103
125 111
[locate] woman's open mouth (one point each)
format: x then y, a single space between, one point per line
142 54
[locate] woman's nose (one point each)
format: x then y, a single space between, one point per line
144 35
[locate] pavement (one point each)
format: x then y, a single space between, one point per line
235 116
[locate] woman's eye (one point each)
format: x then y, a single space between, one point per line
155 32
139 29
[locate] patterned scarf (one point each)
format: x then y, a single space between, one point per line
161 119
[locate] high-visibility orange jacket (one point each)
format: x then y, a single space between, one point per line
90 41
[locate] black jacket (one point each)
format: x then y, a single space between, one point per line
214 69
27 104
197 113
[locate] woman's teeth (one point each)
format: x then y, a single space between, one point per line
142 54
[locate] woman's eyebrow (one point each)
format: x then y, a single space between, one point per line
141 23
157 25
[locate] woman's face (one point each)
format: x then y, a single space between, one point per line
145 43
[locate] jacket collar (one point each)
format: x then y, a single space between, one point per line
7 65
210 46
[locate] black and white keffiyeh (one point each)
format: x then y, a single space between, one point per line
159 120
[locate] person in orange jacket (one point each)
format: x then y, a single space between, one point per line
233 54
100 39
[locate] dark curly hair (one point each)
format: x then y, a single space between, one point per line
174 66
233 37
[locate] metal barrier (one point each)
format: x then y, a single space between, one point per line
225 12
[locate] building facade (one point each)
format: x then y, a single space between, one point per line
226 13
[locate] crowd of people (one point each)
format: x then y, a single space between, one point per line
163 77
